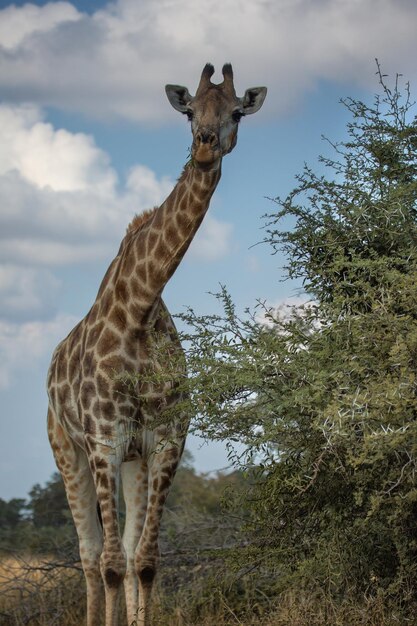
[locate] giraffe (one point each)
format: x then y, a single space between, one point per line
102 436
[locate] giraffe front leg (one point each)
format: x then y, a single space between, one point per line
105 470
161 472
135 490
81 494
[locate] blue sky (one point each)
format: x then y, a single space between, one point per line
88 138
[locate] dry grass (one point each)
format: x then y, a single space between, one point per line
307 610
292 610
40 592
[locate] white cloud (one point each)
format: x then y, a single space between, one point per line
44 252
281 309
60 199
148 190
20 24
116 61
22 346
26 292
51 158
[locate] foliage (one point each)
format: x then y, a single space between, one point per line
323 395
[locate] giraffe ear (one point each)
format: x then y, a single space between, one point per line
178 96
253 99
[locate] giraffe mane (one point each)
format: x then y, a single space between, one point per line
139 220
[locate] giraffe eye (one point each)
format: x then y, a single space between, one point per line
237 115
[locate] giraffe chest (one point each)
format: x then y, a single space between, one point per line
109 388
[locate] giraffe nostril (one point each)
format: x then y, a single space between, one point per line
206 137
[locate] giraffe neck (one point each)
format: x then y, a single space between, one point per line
155 251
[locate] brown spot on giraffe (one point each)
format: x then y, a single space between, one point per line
98 429
107 410
106 302
118 317
113 365
89 425
74 338
105 430
61 368
128 265
88 363
93 313
109 342
103 386
103 480
121 291
74 365
64 394
93 334
88 393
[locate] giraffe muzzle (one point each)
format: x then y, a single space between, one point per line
206 148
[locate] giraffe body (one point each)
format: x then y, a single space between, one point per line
99 433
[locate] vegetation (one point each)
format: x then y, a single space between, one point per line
41 581
319 524
323 395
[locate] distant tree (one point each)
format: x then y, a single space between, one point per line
43 524
13 524
323 395
200 493
48 505
11 512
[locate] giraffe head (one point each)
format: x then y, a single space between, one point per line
214 112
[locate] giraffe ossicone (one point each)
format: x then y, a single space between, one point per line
100 434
